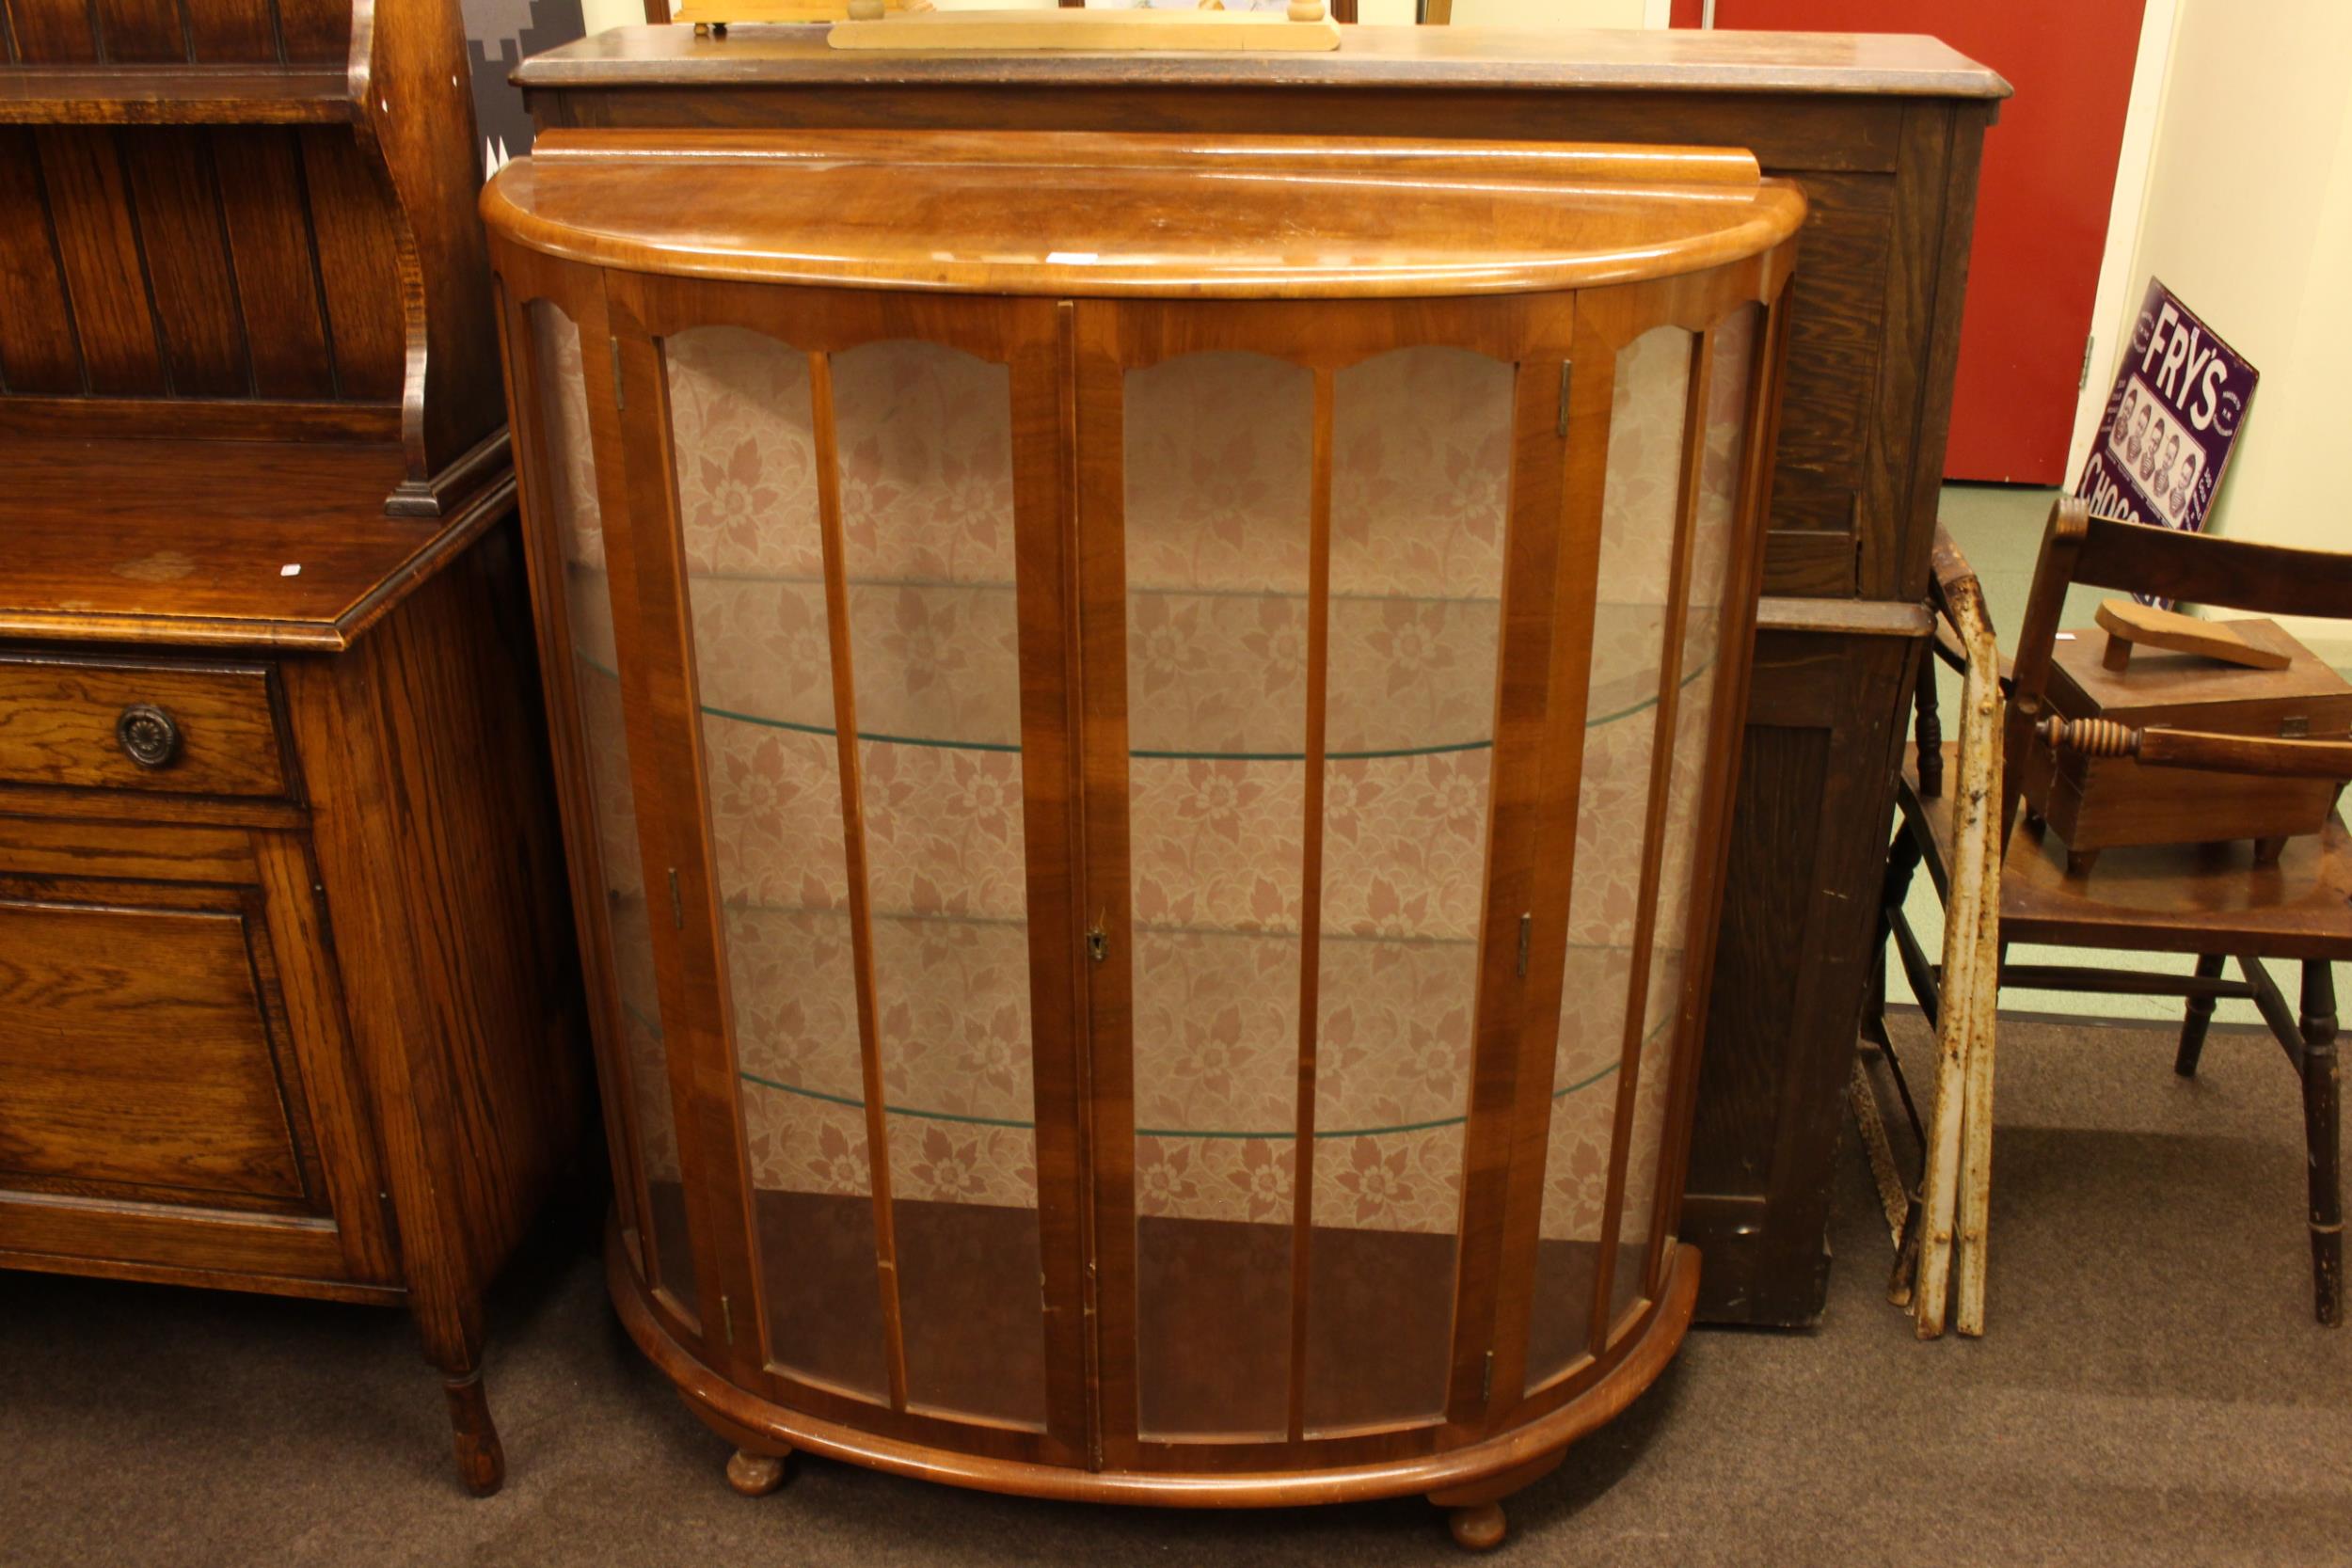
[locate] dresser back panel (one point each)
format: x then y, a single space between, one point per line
164 32
232 262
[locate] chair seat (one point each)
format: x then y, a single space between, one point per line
2174 898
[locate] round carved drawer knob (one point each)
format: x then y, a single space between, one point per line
149 736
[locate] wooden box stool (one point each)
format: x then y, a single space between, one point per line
2152 668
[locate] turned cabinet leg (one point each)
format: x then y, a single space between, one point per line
2079 863
452 1329
481 1459
1474 1513
1478 1527
2267 851
2199 1015
755 1474
2321 1136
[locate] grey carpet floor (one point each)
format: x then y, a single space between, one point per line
2152 1392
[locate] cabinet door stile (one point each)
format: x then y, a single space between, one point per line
1044 429
1555 515
1653 830
1101 476
666 761
313 1001
1511 920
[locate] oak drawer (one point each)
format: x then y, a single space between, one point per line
199 729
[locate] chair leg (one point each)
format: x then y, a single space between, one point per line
1902 863
2318 1024
2200 1014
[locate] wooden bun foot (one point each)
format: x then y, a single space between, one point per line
481 1458
755 1474
1478 1527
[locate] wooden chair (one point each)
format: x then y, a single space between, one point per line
2211 900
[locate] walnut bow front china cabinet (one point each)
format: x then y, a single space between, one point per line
1146 726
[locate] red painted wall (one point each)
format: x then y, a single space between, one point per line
2042 208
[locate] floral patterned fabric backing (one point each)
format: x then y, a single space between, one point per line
1216 564
1217 520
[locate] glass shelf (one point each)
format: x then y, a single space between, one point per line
875 737
856 1103
1282 1134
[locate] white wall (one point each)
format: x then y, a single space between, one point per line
2247 214
2119 289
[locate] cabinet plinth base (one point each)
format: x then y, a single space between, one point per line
1470 1480
755 1474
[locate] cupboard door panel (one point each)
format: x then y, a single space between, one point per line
850 545
176 1090
1311 604
139 1051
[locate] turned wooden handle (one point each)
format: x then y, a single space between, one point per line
2091 738
2127 623
2199 750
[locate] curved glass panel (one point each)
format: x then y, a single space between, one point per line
923 439
1648 414
1731 347
568 493
927 519
746 462
1217 473
1421 470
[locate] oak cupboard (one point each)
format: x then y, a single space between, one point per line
1146 726
288 998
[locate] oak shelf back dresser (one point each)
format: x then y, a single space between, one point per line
1883 134
288 996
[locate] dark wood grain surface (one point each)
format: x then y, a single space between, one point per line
1485 58
128 538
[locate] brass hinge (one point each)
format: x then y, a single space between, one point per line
620 398
1486 1379
1564 368
726 1316
2088 344
1527 923
678 908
